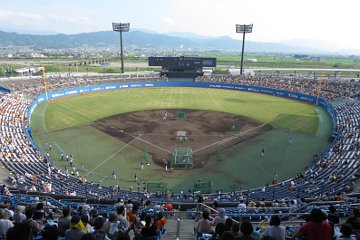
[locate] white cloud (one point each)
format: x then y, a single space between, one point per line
31 16
5 13
275 20
169 21
20 16
71 19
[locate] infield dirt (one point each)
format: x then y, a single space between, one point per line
207 132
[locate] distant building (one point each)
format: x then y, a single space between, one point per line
251 60
301 56
28 71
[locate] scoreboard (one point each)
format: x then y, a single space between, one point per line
182 62
182 68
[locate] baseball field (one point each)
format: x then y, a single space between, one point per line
124 132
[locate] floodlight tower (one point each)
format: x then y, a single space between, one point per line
243 28
121 27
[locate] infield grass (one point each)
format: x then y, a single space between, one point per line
66 122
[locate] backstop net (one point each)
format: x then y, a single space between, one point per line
181 115
181 158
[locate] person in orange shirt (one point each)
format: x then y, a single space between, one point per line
167 195
160 222
339 197
35 179
169 207
132 217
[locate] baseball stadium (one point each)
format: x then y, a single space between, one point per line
258 141
179 154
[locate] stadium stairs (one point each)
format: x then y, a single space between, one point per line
186 229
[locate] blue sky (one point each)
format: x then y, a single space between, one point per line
330 23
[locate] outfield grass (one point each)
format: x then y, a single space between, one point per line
67 122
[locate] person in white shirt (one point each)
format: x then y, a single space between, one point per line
19 215
275 231
242 206
221 218
7 213
5 224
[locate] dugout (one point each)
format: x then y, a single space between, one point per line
181 158
181 68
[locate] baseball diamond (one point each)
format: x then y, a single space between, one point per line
132 132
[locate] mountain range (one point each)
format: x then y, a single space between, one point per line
150 40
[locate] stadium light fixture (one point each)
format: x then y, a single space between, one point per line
121 27
243 28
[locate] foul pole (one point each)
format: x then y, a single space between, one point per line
319 88
44 80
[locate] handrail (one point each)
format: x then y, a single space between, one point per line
178 229
14 191
213 209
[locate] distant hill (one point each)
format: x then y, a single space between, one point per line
141 39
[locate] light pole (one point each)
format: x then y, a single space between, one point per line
243 28
121 27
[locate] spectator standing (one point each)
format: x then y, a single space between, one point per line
228 223
160 222
5 224
123 223
354 220
35 226
333 216
50 232
221 218
39 213
346 231
235 229
220 228
242 206
64 221
113 225
88 236
7 213
21 231
77 229
99 233
132 216
317 228
19 215
122 236
275 230
204 225
247 230
264 224
199 207
149 230
227 235
94 213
